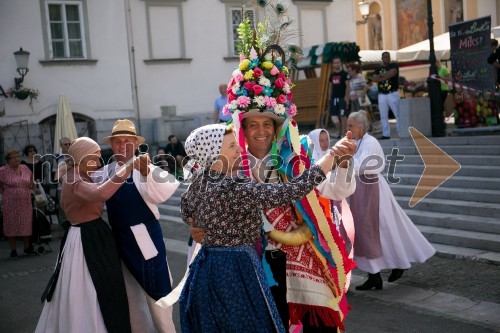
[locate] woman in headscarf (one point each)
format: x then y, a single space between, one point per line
87 291
226 289
320 140
386 238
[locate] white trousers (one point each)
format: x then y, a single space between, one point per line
145 315
384 102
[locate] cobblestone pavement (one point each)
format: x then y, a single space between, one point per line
471 279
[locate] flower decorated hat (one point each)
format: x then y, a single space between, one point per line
260 86
261 83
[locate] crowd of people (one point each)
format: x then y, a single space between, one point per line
271 252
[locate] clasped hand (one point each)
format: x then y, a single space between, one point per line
343 150
141 163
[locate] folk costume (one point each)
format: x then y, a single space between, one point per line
316 260
386 238
341 211
87 292
226 289
133 216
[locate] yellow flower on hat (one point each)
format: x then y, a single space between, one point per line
249 75
285 70
267 65
244 64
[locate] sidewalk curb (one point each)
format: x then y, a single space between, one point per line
484 313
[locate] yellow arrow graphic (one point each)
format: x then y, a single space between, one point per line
439 166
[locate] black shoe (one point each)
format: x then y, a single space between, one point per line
13 254
385 138
396 274
30 252
374 282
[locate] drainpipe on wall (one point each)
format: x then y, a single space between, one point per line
131 55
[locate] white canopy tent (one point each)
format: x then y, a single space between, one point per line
416 53
420 51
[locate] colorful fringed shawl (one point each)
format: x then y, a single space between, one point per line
317 270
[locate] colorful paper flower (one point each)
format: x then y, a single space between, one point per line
279 109
274 70
249 75
292 110
270 101
266 65
225 110
263 81
281 99
243 101
257 72
244 65
267 91
260 101
257 90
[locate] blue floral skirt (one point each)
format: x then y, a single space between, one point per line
226 291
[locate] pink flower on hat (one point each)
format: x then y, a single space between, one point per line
239 77
230 96
274 70
279 83
270 101
225 110
249 86
257 72
243 101
292 110
281 99
257 90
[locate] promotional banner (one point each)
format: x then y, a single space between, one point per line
469 49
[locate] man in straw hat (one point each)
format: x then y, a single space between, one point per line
133 215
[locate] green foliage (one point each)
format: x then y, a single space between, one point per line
245 34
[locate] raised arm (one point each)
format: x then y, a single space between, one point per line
258 196
91 192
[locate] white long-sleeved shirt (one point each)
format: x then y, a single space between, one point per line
155 188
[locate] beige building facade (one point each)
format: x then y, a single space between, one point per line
395 24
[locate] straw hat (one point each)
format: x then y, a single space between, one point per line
266 113
82 147
123 127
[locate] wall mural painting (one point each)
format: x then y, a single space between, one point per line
412 21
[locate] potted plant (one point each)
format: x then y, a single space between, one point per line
23 93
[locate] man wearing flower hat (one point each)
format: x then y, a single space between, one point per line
133 215
309 274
